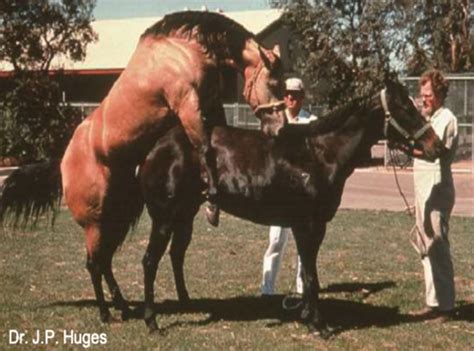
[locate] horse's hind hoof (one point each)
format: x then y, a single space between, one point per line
126 314
324 333
184 299
212 214
152 326
105 316
110 320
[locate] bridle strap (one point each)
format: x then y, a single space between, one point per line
390 121
250 86
251 82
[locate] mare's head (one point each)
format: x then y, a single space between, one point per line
405 125
264 87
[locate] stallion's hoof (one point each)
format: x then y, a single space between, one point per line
105 317
212 215
110 319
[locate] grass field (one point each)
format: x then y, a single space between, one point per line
370 275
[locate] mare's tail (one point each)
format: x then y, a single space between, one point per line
30 192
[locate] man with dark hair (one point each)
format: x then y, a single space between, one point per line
434 199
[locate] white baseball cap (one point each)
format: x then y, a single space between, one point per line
294 84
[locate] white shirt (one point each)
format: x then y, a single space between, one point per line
303 117
445 125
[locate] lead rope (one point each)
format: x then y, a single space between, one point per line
287 306
409 212
395 163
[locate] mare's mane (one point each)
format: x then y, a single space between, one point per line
336 118
220 36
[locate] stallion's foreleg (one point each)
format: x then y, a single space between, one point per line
181 238
198 128
159 239
308 240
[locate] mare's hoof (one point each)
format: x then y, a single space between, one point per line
212 214
126 314
152 326
305 313
324 333
184 299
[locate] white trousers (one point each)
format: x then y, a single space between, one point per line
434 203
272 260
438 266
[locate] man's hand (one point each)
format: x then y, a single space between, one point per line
407 149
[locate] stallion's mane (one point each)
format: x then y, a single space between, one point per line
219 35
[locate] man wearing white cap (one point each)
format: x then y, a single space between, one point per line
294 98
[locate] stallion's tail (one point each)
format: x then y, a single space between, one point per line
30 192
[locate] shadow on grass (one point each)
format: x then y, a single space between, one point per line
366 289
341 314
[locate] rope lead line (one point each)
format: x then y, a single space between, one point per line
400 191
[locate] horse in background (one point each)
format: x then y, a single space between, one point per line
173 77
295 180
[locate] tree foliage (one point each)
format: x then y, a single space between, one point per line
439 35
345 48
36 31
35 124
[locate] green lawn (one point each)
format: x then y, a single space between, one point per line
370 275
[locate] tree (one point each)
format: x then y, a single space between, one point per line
35 124
440 36
345 48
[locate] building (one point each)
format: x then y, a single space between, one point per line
90 80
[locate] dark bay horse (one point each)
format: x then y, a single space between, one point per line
295 180
173 77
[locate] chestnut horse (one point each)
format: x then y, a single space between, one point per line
173 77
295 180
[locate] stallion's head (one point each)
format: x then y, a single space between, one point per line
264 88
405 125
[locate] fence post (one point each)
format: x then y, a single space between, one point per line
235 121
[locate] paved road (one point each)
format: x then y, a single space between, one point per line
376 189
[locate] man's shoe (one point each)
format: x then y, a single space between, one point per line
433 314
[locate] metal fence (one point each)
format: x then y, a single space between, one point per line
460 100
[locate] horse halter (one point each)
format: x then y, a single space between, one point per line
390 121
275 106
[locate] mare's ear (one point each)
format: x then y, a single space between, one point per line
391 82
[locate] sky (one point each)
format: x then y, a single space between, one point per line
112 9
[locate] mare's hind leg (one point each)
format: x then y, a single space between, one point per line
181 238
308 239
159 239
